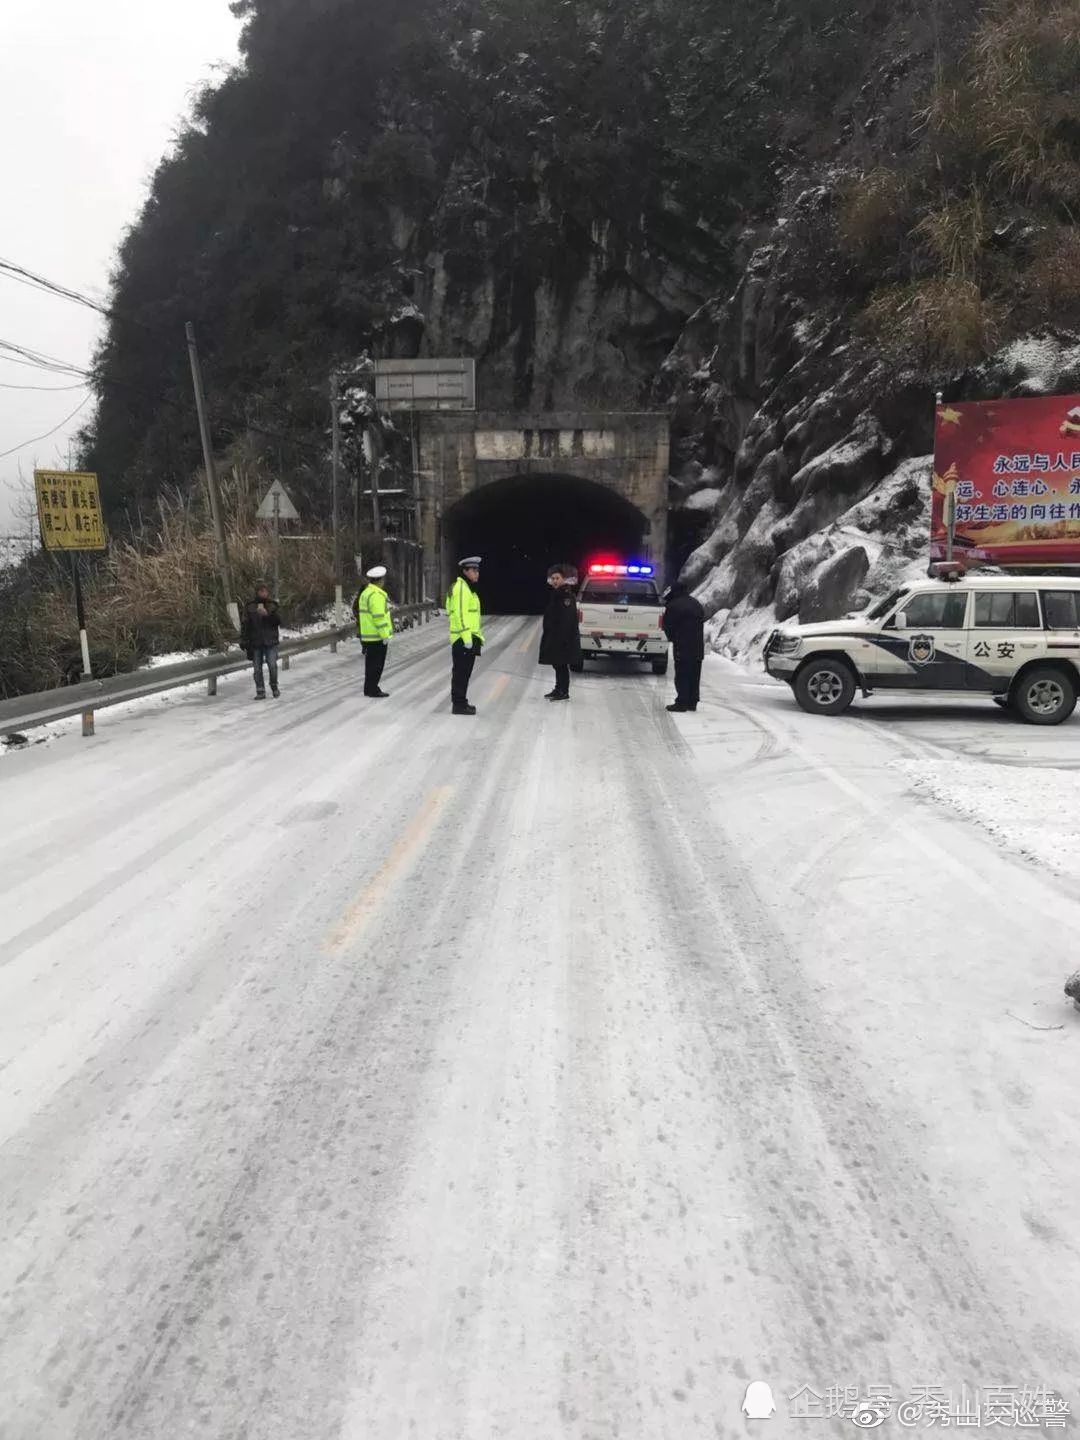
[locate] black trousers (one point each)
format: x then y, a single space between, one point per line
562 679
461 668
374 664
687 678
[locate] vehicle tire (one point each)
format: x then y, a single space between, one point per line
1044 695
825 686
578 666
659 667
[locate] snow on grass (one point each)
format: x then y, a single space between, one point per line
1043 359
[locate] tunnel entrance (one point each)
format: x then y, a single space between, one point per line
522 525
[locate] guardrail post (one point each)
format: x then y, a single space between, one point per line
211 685
285 659
87 723
333 643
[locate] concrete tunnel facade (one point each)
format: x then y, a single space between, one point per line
529 490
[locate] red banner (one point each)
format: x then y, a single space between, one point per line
1015 467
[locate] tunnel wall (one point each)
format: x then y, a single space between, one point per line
626 452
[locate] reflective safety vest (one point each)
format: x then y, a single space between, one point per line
463 607
373 614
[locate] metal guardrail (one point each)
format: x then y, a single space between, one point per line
24 712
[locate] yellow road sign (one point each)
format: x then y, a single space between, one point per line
69 510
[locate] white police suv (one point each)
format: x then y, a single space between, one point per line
1013 638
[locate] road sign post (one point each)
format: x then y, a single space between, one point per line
69 515
277 546
276 505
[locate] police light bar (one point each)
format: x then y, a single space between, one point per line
606 569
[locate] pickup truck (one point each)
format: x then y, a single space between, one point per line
620 614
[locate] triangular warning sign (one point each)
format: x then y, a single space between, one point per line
283 508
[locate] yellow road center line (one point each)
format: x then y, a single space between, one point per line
412 839
530 639
501 682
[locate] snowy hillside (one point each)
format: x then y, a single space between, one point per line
805 466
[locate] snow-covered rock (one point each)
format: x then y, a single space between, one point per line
802 469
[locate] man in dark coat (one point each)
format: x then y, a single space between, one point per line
684 625
560 642
259 636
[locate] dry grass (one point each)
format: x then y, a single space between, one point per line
1015 112
955 233
873 208
935 325
152 594
999 164
1053 280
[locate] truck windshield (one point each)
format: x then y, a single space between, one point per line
883 606
620 592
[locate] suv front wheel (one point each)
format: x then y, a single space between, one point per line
1044 695
825 686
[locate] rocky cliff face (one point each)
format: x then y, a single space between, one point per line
803 468
585 333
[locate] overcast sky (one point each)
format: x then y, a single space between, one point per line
91 92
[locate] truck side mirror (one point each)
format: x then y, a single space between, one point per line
901 620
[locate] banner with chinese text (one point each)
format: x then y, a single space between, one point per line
1015 466
69 510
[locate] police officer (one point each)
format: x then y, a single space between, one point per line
466 637
560 640
684 625
374 626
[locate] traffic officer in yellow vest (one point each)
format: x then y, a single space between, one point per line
466 637
374 626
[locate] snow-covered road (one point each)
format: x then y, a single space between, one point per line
369 1073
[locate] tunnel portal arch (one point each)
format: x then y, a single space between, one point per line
522 524
571 482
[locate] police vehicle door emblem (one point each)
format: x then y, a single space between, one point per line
921 649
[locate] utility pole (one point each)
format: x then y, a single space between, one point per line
376 520
335 423
277 546
211 480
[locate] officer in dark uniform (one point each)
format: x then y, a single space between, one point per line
560 640
684 625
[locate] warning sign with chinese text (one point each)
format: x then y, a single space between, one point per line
69 510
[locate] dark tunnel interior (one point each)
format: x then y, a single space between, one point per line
523 525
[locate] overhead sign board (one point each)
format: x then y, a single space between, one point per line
425 384
276 502
1013 467
69 510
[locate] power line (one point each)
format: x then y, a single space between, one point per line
45 389
39 282
43 361
37 438
53 366
11 271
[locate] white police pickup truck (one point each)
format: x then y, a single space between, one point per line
619 613
1015 639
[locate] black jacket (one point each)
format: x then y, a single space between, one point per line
684 623
260 630
560 643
